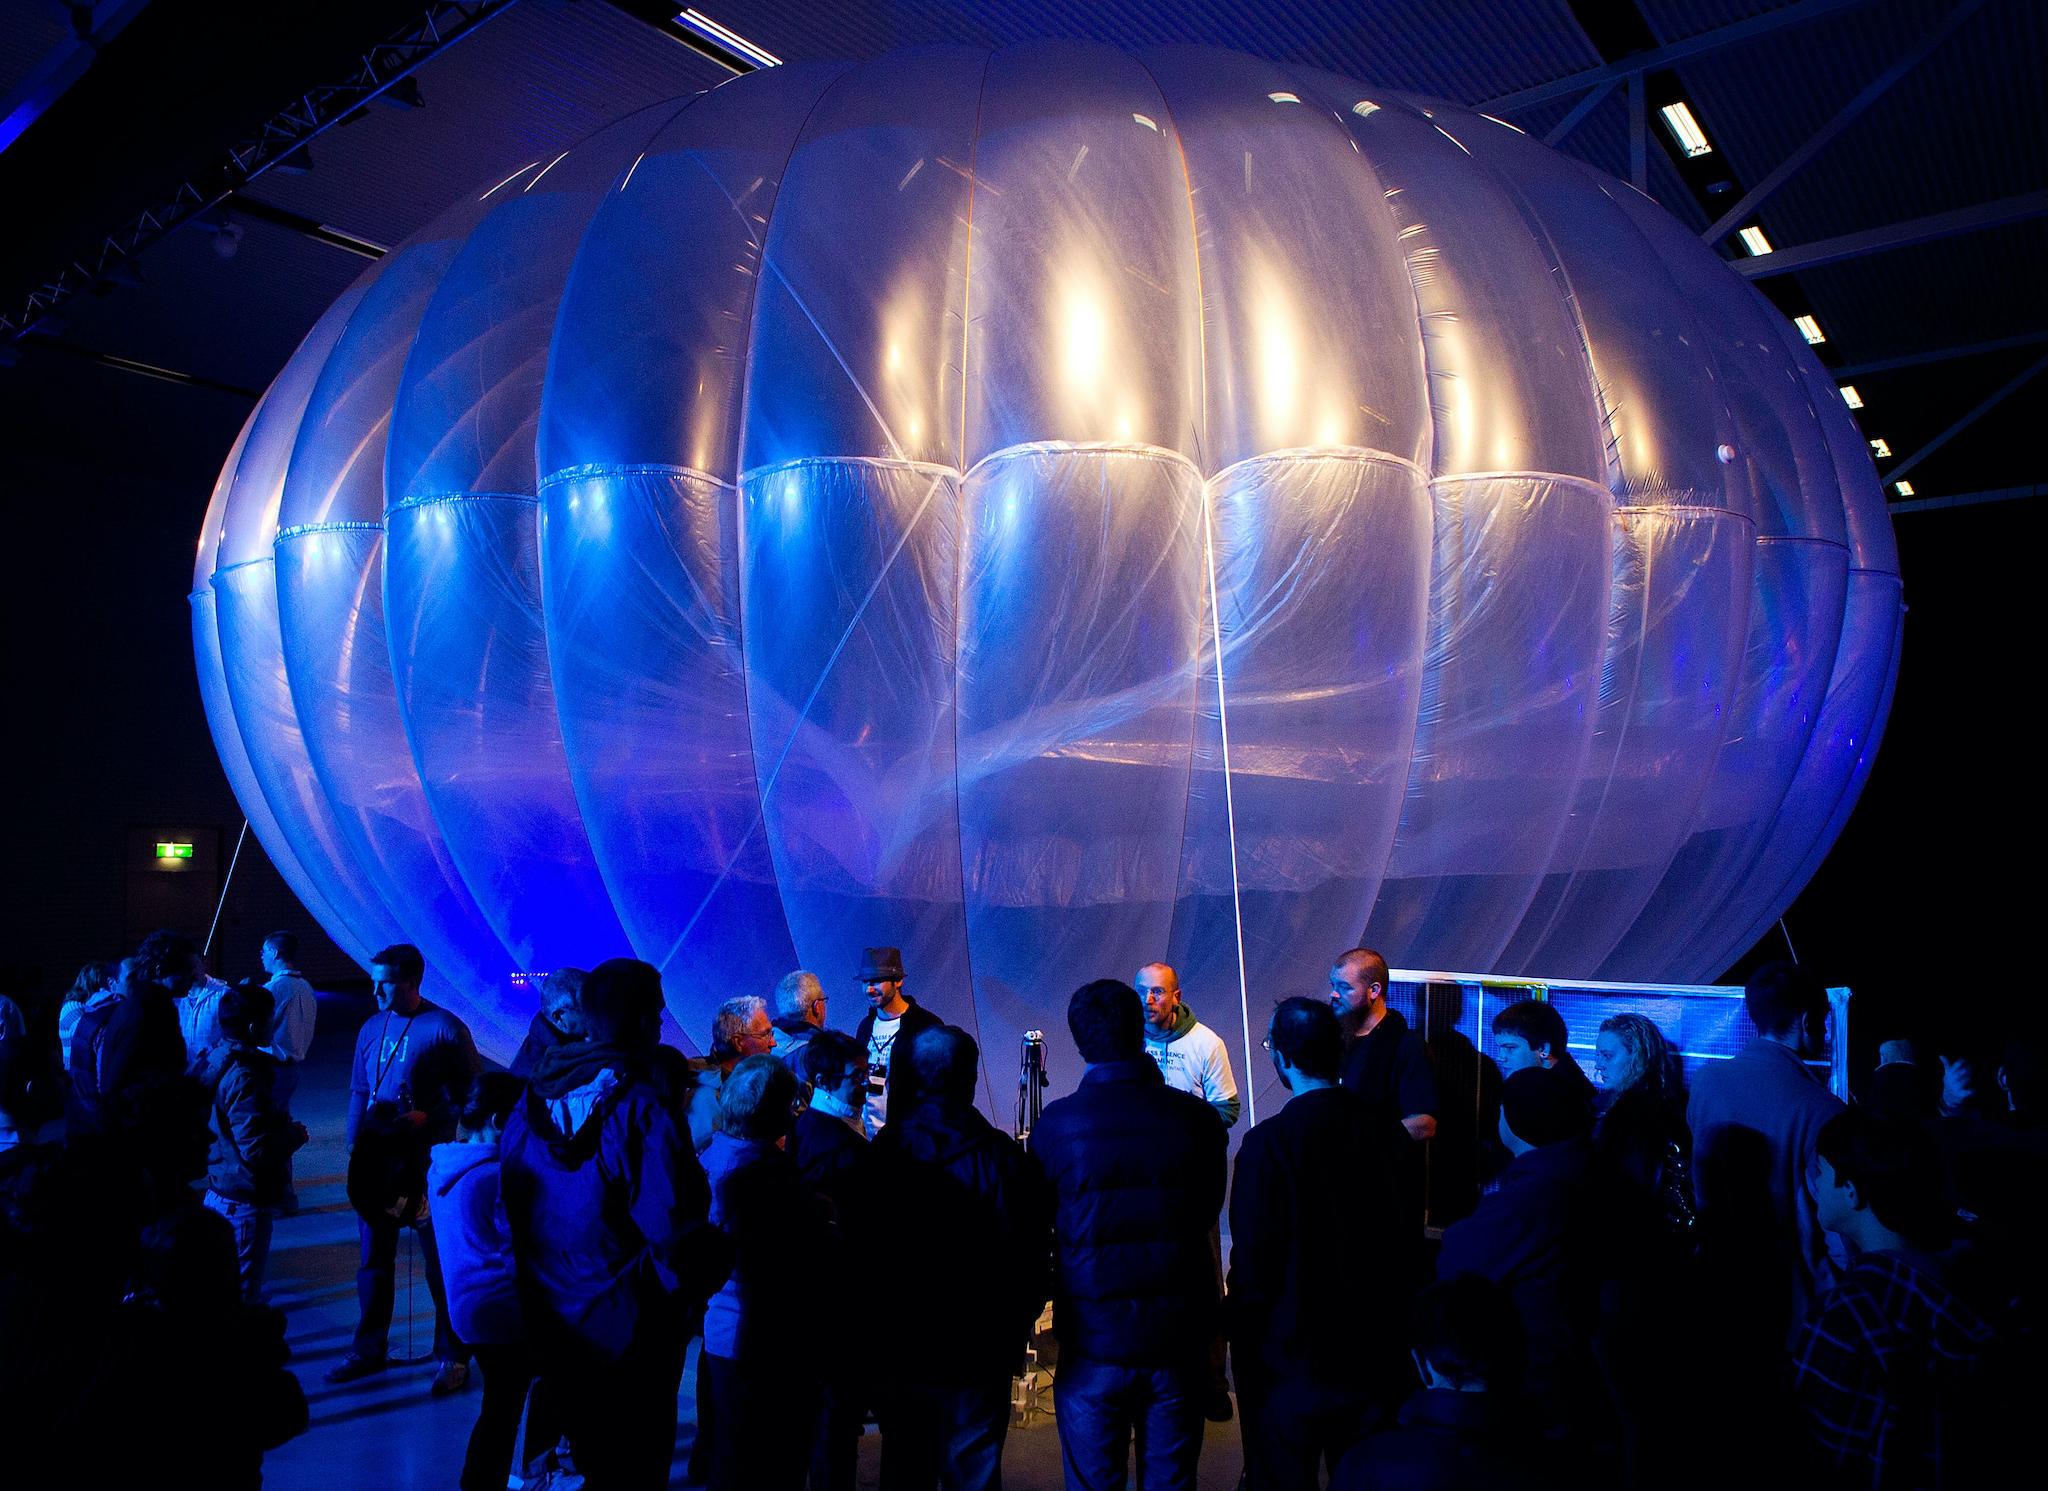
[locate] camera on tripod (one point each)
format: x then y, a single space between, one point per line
1030 1085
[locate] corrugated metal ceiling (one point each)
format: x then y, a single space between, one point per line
524 87
28 35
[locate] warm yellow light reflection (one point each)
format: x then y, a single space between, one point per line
1279 366
1084 342
900 394
1280 351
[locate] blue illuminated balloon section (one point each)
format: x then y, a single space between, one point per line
1049 510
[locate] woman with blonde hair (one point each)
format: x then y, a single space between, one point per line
1641 1131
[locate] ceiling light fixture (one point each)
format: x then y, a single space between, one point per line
1810 329
1881 448
1850 397
720 36
1903 488
1686 130
1753 239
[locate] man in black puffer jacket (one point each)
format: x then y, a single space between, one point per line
1138 1174
952 1190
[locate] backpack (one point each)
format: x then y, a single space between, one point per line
387 1169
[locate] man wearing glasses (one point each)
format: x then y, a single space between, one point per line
799 1010
893 1019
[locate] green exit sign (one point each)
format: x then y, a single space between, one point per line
173 851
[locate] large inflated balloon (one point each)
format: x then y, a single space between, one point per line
1049 511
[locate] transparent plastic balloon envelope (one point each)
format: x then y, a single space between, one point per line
1048 510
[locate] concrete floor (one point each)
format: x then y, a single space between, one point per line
385 1431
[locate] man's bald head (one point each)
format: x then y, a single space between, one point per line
1159 988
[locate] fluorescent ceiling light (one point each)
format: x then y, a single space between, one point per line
1881 448
1810 329
1686 130
1903 488
1850 397
732 41
1753 239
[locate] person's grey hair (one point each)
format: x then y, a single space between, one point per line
758 1100
564 984
733 1017
796 993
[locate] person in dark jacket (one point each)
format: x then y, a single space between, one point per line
1319 1358
249 1167
558 1021
1888 1373
1537 1233
1644 1151
180 1362
1755 1119
1641 1132
1462 1430
1137 1172
125 1044
893 1018
609 1214
1388 1065
1530 1032
833 1155
829 1144
955 1192
762 1383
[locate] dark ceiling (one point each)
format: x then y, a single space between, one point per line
174 83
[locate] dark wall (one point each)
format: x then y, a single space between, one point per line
1930 893
1931 899
105 480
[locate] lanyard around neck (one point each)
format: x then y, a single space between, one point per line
389 1052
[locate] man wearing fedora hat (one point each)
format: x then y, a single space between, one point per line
893 1018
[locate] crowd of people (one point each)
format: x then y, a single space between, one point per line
1649 1284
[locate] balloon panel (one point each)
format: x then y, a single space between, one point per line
850 574
1668 671
1518 610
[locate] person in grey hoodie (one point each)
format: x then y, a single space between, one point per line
1191 1056
482 1286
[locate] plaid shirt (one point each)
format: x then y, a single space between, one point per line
1880 1365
